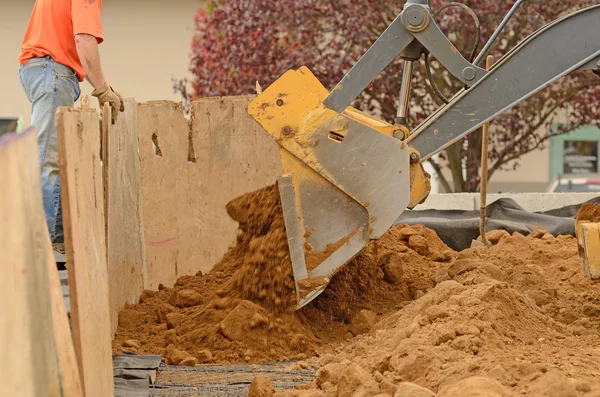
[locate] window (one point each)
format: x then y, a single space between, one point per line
575 152
580 157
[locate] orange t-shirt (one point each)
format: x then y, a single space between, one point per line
52 29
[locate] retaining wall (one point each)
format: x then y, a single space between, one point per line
533 202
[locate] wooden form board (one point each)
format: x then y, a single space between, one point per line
163 147
37 349
186 226
236 156
67 361
82 198
123 209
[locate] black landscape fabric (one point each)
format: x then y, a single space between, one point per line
458 228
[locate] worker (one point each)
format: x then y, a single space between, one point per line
60 50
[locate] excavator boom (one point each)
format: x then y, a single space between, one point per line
348 176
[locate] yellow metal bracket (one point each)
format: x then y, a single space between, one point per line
588 244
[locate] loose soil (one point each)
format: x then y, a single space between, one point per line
518 318
589 212
244 309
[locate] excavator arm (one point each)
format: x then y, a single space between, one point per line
564 46
348 176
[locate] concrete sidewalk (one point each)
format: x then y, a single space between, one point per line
533 202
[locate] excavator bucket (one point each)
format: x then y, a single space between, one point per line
345 180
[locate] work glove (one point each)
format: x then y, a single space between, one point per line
105 94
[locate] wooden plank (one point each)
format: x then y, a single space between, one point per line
234 156
186 226
83 219
123 210
29 364
67 362
161 124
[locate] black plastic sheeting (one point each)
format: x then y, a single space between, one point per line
458 228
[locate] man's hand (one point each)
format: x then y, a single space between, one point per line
105 94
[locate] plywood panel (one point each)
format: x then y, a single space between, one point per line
186 226
30 297
83 217
163 146
67 361
123 206
237 156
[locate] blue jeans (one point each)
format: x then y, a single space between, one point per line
48 85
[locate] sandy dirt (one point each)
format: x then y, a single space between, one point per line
589 212
519 318
243 310
408 315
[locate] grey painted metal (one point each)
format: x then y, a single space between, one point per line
331 265
293 229
393 40
370 175
317 214
496 33
404 97
413 51
319 203
320 214
371 167
311 296
542 58
469 73
439 46
594 64
415 17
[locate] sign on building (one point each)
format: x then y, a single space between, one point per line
580 157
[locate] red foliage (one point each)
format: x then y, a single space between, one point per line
239 42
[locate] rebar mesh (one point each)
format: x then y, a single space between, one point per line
225 380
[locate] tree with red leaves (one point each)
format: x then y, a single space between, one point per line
239 42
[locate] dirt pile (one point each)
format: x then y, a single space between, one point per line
519 318
243 310
589 212
263 270
408 317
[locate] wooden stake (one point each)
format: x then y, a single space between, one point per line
484 168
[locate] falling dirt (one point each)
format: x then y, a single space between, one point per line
518 318
308 285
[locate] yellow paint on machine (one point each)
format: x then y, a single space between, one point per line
588 240
301 89
305 93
